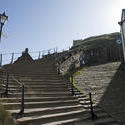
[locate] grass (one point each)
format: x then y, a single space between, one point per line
78 72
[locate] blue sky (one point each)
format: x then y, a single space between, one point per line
43 24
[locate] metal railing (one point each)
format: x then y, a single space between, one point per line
9 58
5 93
74 89
5 76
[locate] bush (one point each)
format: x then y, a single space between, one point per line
5 117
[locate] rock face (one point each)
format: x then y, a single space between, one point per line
25 58
98 49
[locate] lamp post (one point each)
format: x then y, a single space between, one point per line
3 18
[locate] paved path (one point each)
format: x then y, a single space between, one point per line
107 83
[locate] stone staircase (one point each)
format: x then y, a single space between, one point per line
106 82
47 98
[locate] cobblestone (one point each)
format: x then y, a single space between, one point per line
107 84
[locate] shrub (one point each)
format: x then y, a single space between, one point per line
5 117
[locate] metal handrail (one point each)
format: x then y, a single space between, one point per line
5 94
93 115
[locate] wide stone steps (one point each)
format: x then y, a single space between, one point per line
38 90
51 118
37 75
9 106
36 87
73 121
33 94
48 110
37 99
48 98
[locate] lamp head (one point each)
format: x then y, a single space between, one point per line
3 17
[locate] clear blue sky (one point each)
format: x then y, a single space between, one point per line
44 24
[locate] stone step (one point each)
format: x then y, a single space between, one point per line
86 120
44 83
10 106
44 90
51 118
35 74
41 80
104 121
47 94
37 99
48 110
37 87
72 121
38 76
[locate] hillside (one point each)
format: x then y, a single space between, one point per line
97 49
94 41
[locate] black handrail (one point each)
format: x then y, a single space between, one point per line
93 115
72 86
5 94
22 99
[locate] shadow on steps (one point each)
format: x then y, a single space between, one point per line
113 100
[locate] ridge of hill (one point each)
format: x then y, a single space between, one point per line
97 49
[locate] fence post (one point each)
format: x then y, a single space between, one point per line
0 60
56 49
39 54
43 53
12 58
49 51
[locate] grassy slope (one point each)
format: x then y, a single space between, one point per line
97 41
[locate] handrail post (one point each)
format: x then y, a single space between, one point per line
0 60
12 58
49 51
6 89
58 69
39 54
72 87
22 104
7 82
93 115
43 52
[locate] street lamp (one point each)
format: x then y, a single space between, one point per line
3 18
